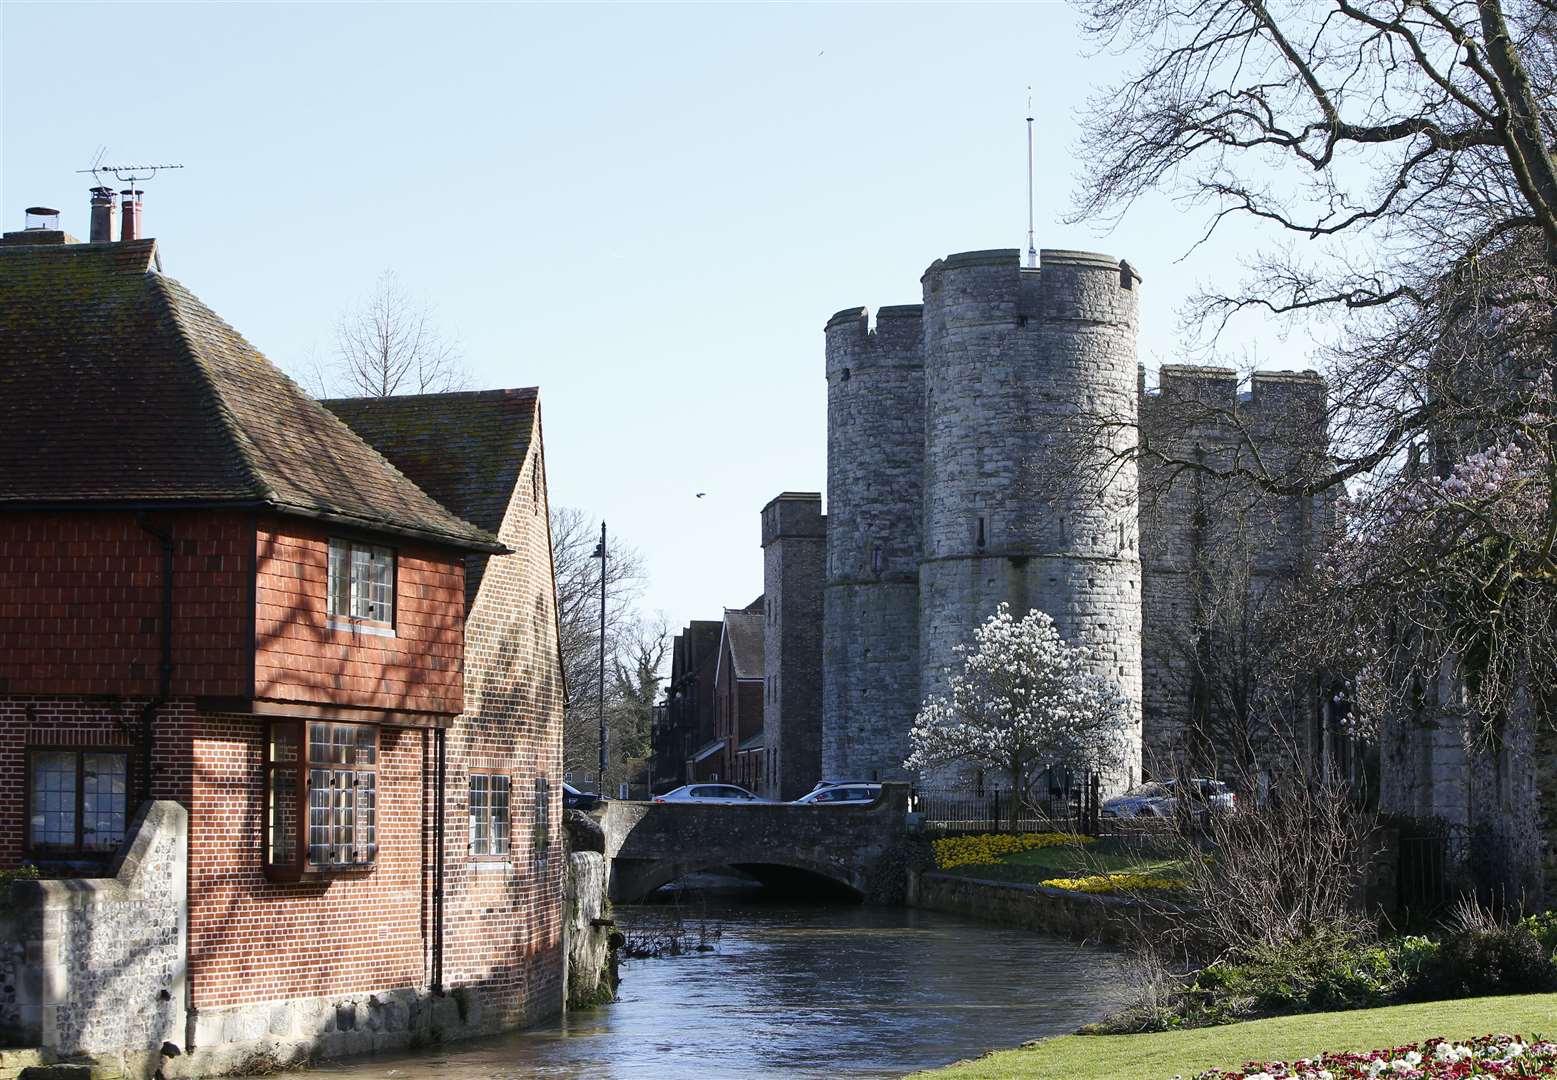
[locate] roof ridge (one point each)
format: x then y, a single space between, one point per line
242 445
494 392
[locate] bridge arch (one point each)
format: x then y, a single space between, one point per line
854 846
633 881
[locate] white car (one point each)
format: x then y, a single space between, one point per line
711 794
1159 798
840 793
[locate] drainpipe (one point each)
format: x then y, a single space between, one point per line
165 668
437 928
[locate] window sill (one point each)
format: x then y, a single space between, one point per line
486 864
355 627
318 873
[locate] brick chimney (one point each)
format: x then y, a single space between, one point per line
102 215
130 206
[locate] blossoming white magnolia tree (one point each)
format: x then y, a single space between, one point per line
1025 700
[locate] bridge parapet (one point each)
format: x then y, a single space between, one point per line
855 845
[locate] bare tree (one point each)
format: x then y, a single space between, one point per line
390 344
1392 161
574 536
637 670
1396 156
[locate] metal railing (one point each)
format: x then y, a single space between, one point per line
981 808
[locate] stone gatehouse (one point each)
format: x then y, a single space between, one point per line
948 423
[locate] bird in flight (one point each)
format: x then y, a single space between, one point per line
700 494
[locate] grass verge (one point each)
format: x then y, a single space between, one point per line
1166 1054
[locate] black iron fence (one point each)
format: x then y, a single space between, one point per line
980 808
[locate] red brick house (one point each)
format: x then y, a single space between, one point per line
738 695
335 650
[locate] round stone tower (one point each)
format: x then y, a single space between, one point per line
875 468
1015 509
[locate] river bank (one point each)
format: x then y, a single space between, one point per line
798 992
1286 1038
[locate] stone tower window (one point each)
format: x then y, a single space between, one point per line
980 540
845 376
878 559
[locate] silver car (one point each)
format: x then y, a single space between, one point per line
711 794
841 793
1159 798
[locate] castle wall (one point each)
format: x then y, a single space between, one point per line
875 469
794 555
1208 542
1009 513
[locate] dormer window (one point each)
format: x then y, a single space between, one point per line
362 586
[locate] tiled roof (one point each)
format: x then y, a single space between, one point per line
118 387
745 631
466 450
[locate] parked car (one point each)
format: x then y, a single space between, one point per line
574 799
820 784
837 793
717 794
1160 798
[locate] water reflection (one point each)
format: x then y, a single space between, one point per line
801 992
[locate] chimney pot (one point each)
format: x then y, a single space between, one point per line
102 215
130 223
37 217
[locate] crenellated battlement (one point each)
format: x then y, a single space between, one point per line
897 339
973 288
1273 398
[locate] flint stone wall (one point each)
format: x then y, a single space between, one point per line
97 964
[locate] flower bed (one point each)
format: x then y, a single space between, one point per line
1438 1059
1115 883
987 848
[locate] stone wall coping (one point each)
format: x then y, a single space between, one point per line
124 872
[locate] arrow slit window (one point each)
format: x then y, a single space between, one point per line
321 794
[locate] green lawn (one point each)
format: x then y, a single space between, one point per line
1284 1038
1040 864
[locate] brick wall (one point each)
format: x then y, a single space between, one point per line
251 939
81 603
300 657
504 917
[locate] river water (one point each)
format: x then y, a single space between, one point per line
805 992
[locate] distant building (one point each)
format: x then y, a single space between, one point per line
794 564
738 693
684 743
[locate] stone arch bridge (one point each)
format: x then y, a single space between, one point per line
854 847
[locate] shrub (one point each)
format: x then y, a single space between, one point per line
1544 929
1494 960
25 872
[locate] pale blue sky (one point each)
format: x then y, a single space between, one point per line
648 211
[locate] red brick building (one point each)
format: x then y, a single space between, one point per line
335 649
738 696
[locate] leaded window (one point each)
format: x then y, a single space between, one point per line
78 801
321 791
362 582
541 829
489 805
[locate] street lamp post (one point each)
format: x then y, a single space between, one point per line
600 553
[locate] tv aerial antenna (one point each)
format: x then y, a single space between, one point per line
125 174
